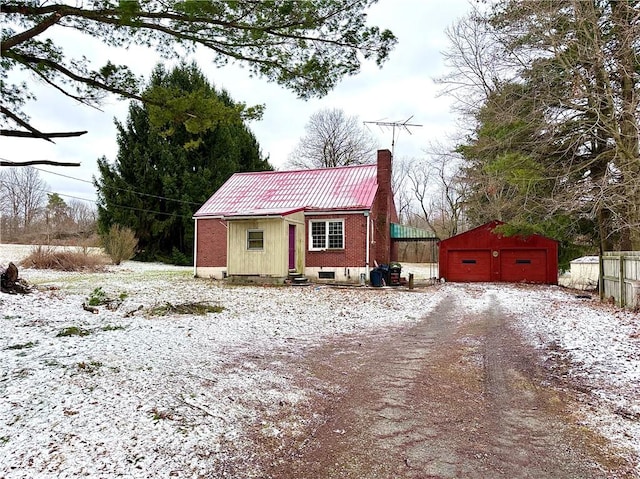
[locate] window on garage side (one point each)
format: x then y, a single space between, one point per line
326 234
255 240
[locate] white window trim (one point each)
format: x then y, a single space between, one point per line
326 234
255 231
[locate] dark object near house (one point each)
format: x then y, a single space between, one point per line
481 254
394 274
386 275
377 277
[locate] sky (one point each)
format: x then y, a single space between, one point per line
403 89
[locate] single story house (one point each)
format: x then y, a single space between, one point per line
481 254
330 223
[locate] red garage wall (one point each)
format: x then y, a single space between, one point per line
482 255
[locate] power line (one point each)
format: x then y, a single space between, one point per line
131 208
129 190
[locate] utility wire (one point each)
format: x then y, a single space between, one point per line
131 208
128 190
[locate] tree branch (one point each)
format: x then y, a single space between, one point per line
36 133
32 32
37 162
28 134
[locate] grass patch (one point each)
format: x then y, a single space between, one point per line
28 345
199 309
97 297
47 257
73 331
112 327
89 367
160 415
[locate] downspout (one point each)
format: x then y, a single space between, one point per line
195 248
366 259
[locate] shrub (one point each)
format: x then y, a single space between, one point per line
48 257
120 243
186 308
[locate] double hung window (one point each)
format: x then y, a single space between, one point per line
326 234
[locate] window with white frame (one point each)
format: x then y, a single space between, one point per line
255 239
326 234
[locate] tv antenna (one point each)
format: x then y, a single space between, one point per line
399 125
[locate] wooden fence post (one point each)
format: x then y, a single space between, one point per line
622 288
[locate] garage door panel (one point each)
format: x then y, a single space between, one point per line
469 265
528 266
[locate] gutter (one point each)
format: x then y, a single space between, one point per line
366 259
195 248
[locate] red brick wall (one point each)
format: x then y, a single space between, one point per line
354 252
211 244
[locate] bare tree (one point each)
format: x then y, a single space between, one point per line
401 193
439 189
83 214
477 64
22 195
333 139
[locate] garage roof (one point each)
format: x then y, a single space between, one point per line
284 192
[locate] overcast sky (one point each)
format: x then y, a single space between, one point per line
402 89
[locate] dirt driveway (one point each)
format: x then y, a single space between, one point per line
457 395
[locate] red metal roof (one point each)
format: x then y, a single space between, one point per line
283 192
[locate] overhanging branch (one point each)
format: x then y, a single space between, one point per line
38 162
28 134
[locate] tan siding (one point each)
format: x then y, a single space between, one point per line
271 260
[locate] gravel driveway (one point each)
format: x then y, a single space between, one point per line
457 395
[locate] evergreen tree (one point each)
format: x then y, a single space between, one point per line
163 171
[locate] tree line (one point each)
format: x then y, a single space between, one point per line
29 212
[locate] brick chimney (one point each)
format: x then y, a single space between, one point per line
384 170
385 211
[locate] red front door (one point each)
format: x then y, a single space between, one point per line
292 246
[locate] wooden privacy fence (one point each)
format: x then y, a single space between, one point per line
621 277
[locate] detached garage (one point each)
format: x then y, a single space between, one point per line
483 255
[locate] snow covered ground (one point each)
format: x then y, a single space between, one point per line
132 393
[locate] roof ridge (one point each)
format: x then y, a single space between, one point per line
368 165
